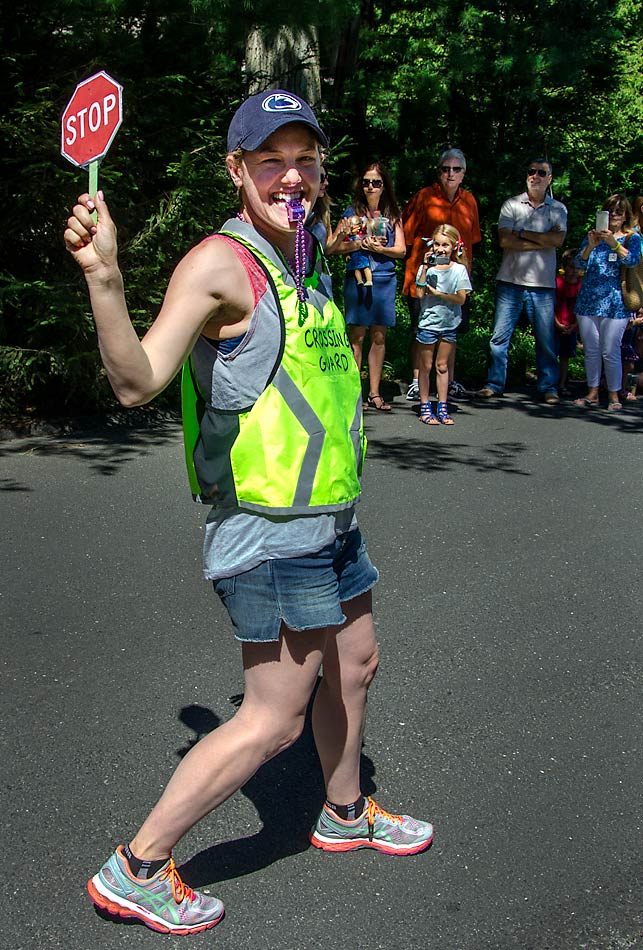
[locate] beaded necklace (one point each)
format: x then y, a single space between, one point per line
299 265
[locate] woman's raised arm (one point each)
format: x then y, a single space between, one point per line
209 286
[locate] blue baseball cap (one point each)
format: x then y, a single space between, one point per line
261 115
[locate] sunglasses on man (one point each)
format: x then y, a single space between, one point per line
541 172
373 182
452 168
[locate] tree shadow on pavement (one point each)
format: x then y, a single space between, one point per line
290 785
105 446
420 455
629 420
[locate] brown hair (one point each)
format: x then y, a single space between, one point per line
568 256
387 204
321 208
619 203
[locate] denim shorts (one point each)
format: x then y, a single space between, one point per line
434 336
304 593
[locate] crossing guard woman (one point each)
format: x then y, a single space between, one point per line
276 446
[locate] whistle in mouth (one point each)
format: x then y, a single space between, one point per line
296 210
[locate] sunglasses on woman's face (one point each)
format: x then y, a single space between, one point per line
541 172
373 182
323 177
451 168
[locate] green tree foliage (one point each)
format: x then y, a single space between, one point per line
163 176
400 80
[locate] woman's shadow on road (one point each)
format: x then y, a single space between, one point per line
287 792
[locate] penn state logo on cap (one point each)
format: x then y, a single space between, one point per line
262 114
281 102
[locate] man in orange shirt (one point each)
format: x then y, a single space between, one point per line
443 202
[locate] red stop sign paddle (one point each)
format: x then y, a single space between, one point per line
90 122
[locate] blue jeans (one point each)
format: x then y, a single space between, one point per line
539 305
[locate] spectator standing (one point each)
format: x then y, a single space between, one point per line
631 356
442 284
600 309
318 223
443 202
567 287
530 228
373 308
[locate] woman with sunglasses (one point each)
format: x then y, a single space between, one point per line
373 308
600 308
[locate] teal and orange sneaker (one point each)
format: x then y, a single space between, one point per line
375 828
162 902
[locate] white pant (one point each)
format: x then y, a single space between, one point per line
601 338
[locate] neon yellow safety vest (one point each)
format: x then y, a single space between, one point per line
300 447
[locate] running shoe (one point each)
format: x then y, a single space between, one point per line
163 903
457 391
375 828
413 391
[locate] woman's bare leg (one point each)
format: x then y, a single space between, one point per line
279 680
376 353
350 663
356 336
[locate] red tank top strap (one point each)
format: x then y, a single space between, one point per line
256 276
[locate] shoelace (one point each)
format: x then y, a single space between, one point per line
180 890
374 811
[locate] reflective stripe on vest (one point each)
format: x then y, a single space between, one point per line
300 447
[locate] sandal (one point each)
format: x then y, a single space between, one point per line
443 414
426 415
375 401
614 406
585 403
628 396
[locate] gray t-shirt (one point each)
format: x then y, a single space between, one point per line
531 268
436 314
236 540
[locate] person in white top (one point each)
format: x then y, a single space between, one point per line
531 227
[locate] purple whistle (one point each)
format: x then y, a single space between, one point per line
296 210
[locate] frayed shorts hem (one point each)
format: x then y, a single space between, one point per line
302 593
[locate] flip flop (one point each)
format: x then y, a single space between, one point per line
585 403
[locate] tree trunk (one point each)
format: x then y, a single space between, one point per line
286 58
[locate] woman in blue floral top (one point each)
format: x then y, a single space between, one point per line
601 313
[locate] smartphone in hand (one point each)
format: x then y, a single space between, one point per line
602 220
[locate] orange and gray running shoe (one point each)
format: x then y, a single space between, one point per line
375 828
162 902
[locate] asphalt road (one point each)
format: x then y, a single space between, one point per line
507 708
